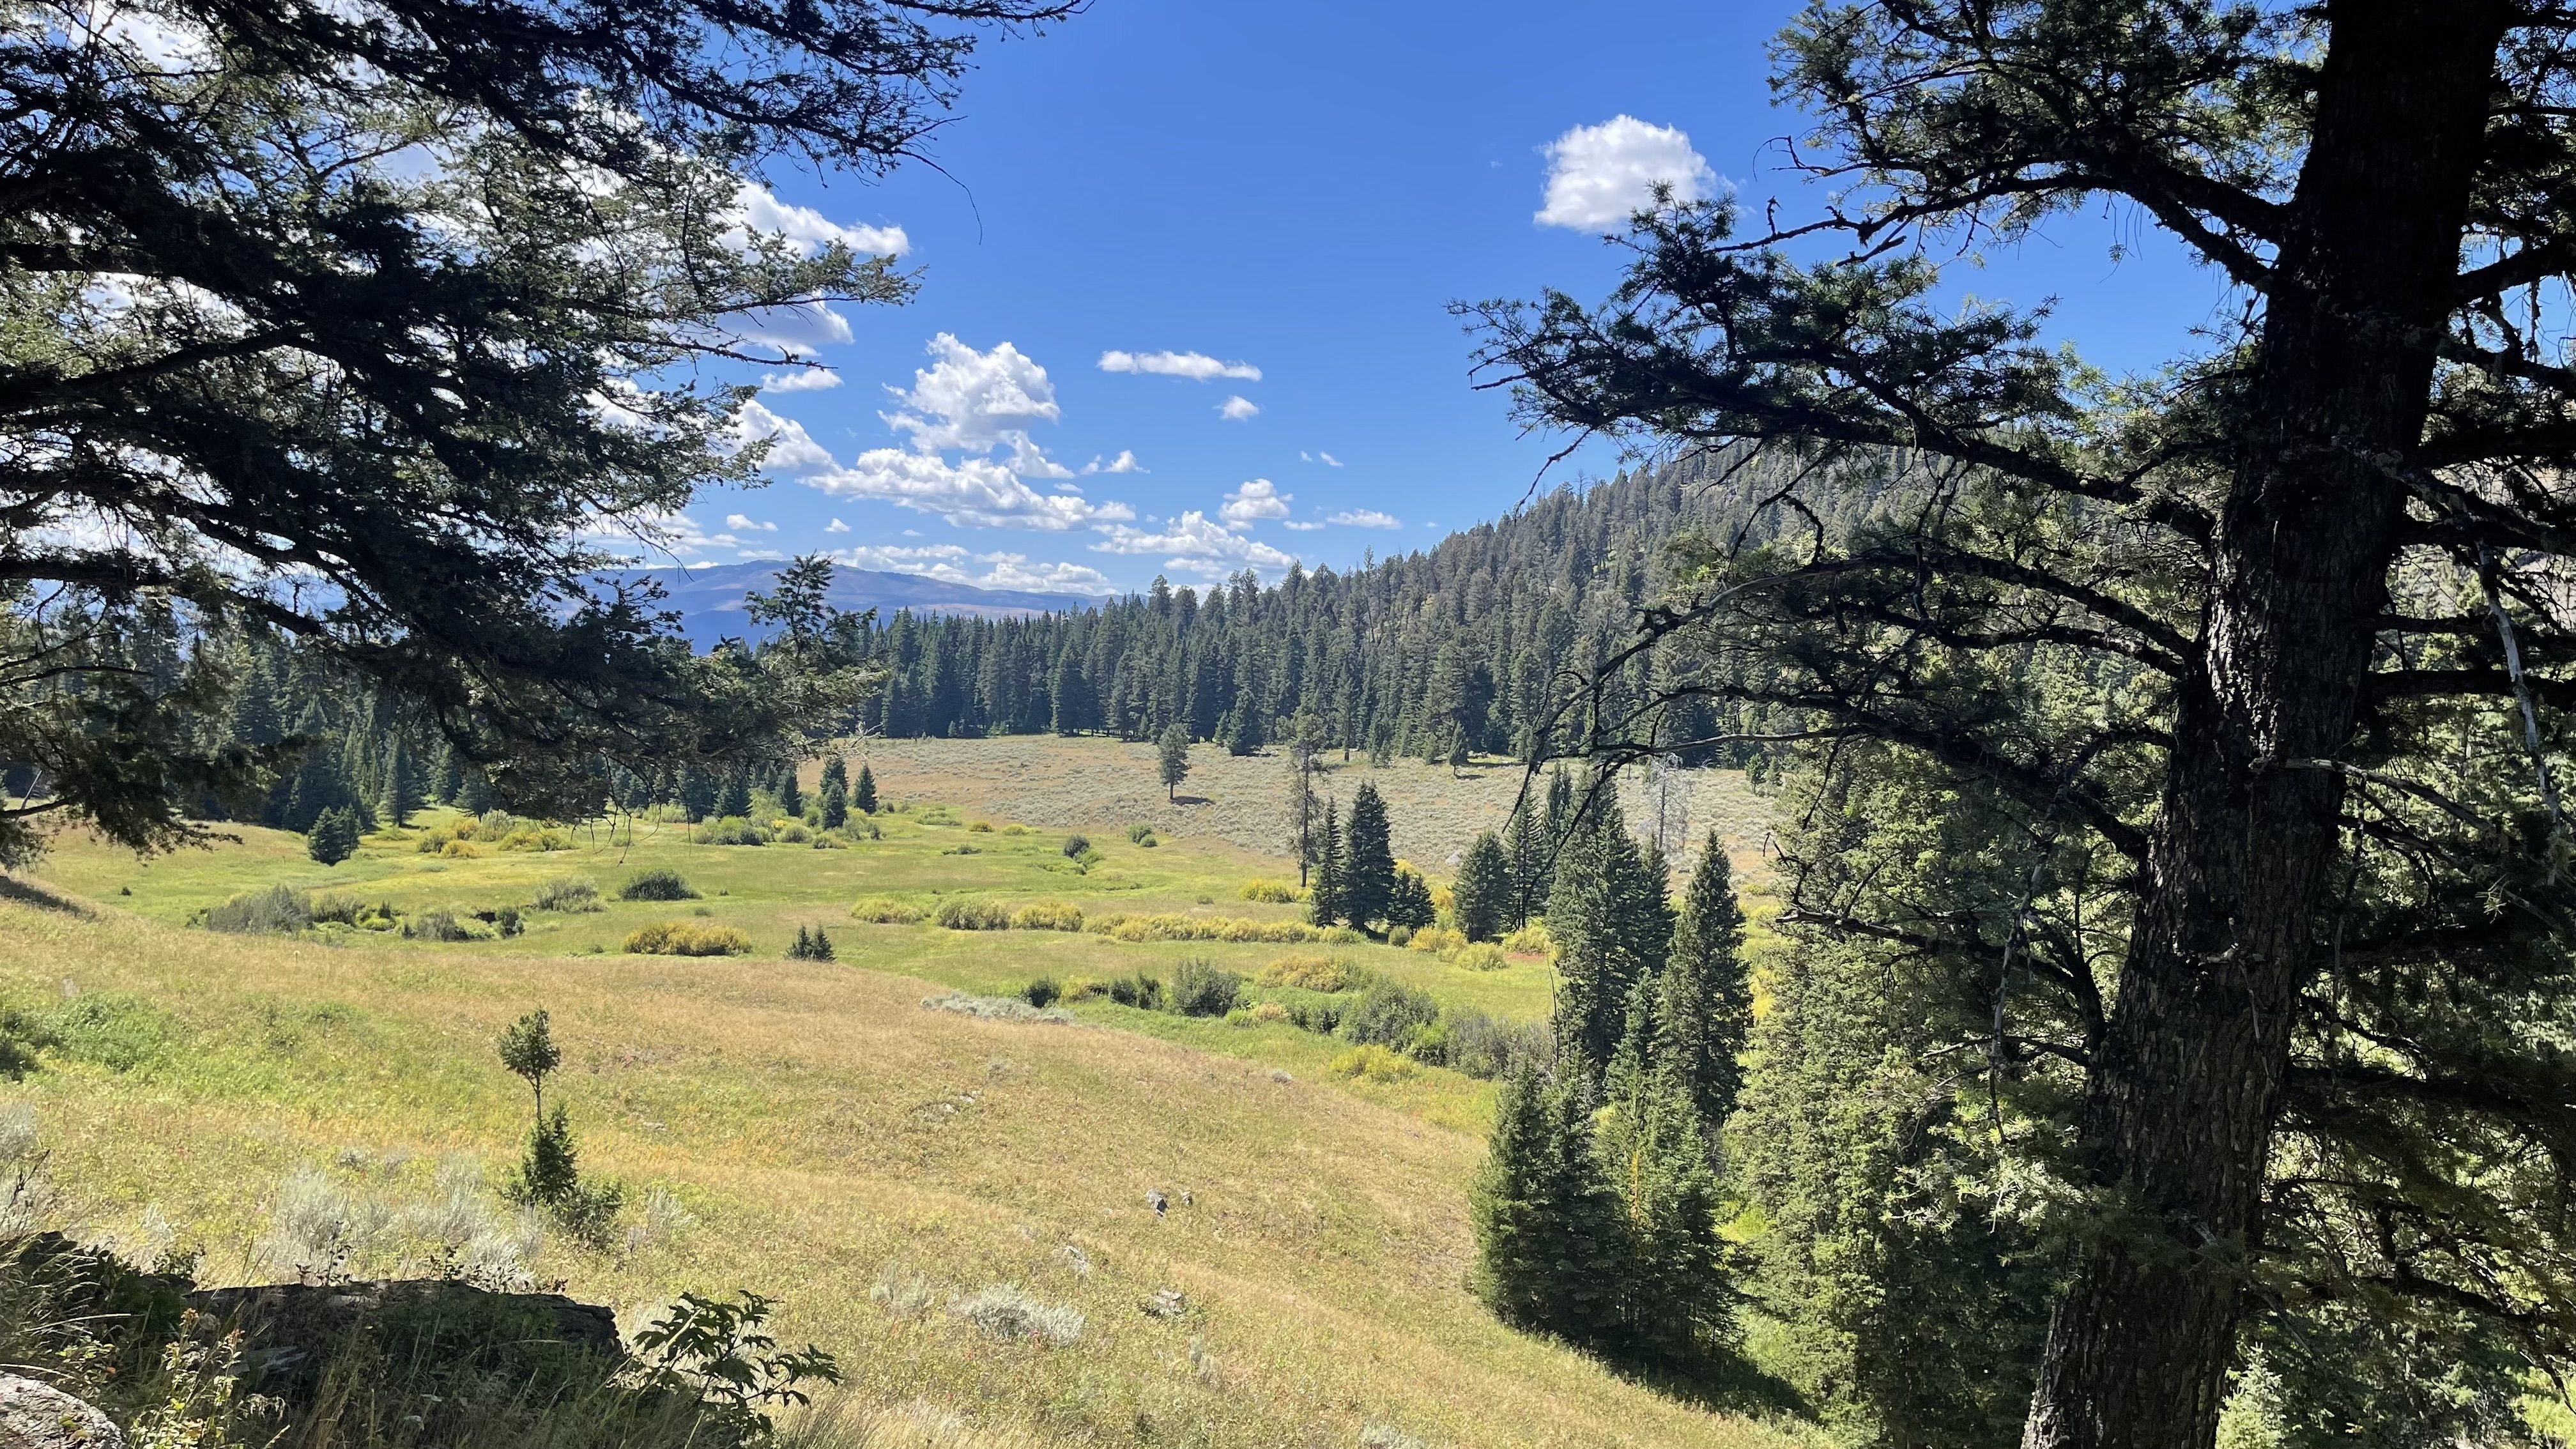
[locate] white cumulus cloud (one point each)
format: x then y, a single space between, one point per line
1238 409
745 523
1597 176
808 230
803 379
1327 459
1193 542
1125 462
1255 500
973 491
836 526
974 401
1196 366
1365 518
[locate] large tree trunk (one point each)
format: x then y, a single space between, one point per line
2178 1122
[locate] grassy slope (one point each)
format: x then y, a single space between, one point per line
824 1128
1435 811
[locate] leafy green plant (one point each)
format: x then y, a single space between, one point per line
722 1353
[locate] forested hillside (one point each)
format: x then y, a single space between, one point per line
1473 645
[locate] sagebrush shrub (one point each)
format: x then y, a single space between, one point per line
276 909
1140 991
1480 956
1003 1311
885 911
436 925
659 884
568 893
688 938
1202 988
1270 892
1387 1014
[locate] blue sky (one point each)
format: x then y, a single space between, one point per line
1198 191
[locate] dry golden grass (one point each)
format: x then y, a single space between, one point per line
826 1132
1089 783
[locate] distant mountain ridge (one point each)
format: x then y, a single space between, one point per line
710 597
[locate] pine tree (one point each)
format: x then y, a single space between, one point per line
1484 890
733 802
1324 897
1654 1148
1172 757
1368 860
1549 1255
1706 1010
791 798
698 793
1612 926
474 793
1525 847
334 836
835 792
402 793
863 795
1409 903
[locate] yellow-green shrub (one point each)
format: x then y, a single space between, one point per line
966 915
1174 927
1311 973
688 938
460 850
886 911
1272 892
1047 916
1531 940
1437 940
1480 956
1374 1063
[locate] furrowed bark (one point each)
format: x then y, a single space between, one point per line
2179 1114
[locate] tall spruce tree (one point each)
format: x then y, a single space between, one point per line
791 794
1368 859
834 793
1705 1008
402 789
863 793
1485 891
1612 925
1550 1251
1325 901
733 799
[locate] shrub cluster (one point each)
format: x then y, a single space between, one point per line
659 884
885 911
973 915
688 938
568 894
348 908
1202 988
1175 927
436 925
731 830
1047 916
1313 973
1271 892
274 910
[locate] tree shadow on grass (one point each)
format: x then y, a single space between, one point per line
29 893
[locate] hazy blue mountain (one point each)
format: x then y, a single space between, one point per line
709 597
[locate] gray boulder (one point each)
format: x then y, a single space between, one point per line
40 1416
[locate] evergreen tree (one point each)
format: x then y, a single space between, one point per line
1368 860
1612 926
1243 732
1525 849
1172 758
549 1175
1673 1296
1409 903
698 792
1706 1008
474 792
734 800
333 837
1324 903
1484 889
791 795
402 792
863 795
1549 1250
835 792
